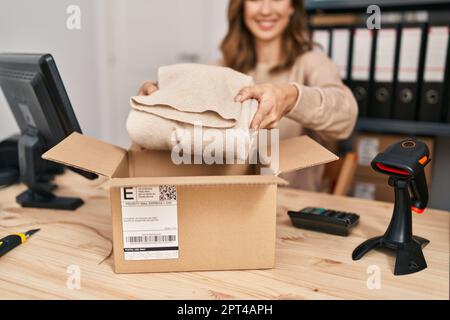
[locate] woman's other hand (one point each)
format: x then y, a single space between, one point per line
274 100
147 88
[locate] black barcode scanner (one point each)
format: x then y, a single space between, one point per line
404 162
407 159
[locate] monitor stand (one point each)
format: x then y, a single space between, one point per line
34 174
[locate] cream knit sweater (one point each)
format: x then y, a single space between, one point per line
326 109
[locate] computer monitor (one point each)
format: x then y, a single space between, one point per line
38 100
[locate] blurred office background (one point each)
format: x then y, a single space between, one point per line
122 43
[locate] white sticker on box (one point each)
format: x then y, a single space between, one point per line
368 148
364 190
150 222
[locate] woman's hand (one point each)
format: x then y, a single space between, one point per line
147 88
275 101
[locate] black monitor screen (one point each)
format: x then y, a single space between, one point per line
35 93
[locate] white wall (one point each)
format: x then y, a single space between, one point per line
149 34
40 26
120 44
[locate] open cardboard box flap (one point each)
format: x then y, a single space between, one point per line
93 155
87 153
302 152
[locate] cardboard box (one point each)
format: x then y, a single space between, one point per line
222 216
373 189
367 146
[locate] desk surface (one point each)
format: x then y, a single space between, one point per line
309 265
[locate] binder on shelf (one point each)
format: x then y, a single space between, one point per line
446 91
322 36
361 68
340 51
448 104
407 85
447 94
384 66
432 94
448 109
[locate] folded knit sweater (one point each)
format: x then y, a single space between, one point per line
193 95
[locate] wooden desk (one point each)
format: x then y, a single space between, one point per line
309 265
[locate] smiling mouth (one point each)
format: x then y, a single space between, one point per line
266 24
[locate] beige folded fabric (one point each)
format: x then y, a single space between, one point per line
188 95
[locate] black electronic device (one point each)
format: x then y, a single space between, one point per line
404 162
9 161
324 220
38 100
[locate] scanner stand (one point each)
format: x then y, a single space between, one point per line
398 236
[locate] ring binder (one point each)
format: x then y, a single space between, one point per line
322 37
411 50
384 66
361 68
431 102
340 50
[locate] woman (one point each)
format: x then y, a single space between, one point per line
297 87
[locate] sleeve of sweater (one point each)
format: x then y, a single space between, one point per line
325 105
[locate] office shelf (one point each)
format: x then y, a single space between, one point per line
403 127
338 6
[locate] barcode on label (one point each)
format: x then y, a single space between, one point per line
150 239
